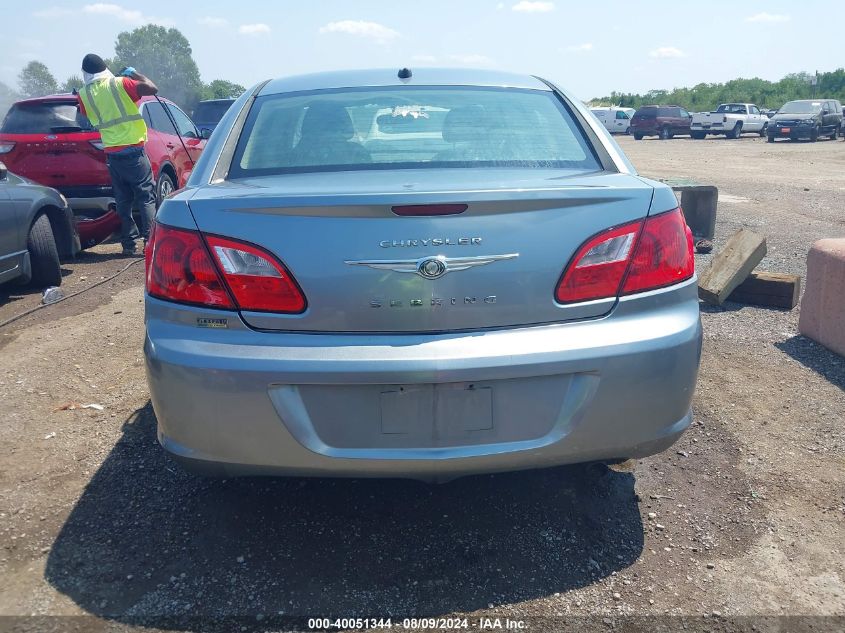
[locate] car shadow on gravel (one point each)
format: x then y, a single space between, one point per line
816 357
147 542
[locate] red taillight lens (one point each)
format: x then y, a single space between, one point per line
258 281
664 254
179 268
598 267
182 267
655 253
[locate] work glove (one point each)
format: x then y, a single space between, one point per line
128 71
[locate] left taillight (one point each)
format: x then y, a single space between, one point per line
179 268
218 272
636 257
6 147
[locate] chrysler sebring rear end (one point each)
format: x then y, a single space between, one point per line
452 273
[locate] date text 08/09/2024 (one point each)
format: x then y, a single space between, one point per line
418 624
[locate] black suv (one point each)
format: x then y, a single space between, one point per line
806 119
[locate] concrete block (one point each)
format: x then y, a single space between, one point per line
699 203
823 305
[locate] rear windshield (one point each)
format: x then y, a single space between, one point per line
649 113
211 112
732 108
45 118
409 128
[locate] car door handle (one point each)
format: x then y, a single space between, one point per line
170 146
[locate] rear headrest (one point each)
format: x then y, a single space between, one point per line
464 124
327 119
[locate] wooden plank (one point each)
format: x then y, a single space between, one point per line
778 290
729 268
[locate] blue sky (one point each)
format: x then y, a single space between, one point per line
590 48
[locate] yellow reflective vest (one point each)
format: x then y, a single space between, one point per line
112 111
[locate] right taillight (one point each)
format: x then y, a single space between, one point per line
218 272
664 254
635 257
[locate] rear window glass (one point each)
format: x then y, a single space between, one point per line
211 112
45 118
647 113
409 128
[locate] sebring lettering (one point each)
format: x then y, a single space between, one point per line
434 302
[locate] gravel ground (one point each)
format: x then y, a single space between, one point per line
741 519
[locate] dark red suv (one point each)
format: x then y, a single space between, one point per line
48 140
662 121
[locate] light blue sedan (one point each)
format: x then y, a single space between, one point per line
417 273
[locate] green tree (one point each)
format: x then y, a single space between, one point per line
222 89
164 55
766 94
74 82
35 80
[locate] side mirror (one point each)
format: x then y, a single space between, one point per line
205 133
3 171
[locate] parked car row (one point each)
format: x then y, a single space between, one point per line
808 119
47 140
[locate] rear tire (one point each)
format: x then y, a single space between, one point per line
638 136
770 138
835 134
665 134
43 254
736 132
764 130
164 187
698 135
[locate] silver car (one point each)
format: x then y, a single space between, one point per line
417 274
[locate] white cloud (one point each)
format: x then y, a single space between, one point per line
131 16
253 29
471 60
424 59
527 6
768 17
580 48
361 28
52 12
667 52
213 22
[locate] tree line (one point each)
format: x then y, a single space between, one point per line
766 94
162 54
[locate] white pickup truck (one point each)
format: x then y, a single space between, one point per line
730 119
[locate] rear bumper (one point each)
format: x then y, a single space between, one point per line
429 406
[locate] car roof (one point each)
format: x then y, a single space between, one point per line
64 96
390 77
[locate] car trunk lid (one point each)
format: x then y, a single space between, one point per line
363 268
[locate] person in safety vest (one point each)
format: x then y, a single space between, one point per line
110 103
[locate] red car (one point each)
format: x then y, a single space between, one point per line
48 140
